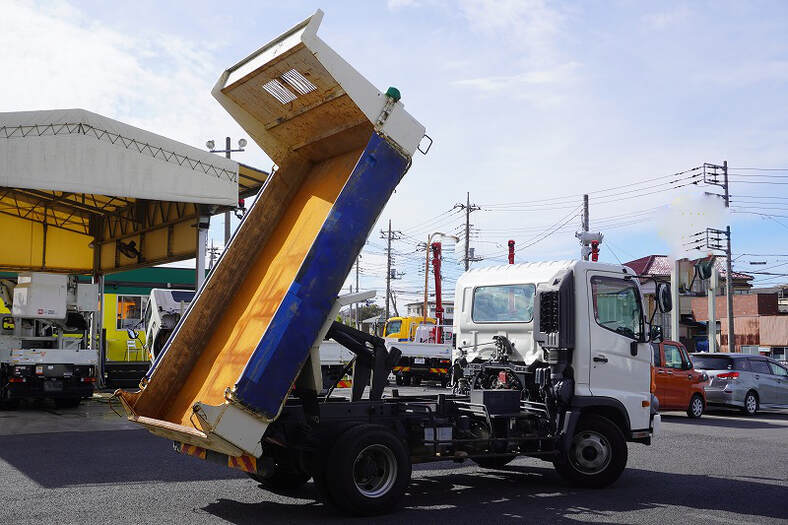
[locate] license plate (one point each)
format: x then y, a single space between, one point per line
53 386
418 360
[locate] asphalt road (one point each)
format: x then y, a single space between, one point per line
88 465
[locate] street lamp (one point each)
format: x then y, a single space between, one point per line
228 149
427 267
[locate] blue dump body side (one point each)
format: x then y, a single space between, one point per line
284 348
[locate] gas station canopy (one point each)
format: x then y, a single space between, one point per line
83 193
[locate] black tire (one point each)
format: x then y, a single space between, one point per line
416 380
751 403
400 380
281 478
696 407
597 454
406 380
368 471
445 381
494 462
67 402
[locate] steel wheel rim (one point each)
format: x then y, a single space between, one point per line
751 403
591 452
375 471
697 407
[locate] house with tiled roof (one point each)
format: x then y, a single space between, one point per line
692 330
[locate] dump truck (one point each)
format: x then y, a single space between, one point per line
238 382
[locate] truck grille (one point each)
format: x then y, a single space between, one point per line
549 313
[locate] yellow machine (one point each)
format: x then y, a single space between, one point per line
404 328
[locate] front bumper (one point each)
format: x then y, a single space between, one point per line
656 422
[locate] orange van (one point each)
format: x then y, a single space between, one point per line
679 385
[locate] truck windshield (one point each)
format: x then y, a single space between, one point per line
393 327
512 303
617 305
185 297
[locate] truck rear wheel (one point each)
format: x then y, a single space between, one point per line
368 470
597 454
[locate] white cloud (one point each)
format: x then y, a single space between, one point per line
666 19
55 56
398 4
531 25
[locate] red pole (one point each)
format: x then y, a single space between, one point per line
436 265
511 252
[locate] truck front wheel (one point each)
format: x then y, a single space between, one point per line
597 454
368 470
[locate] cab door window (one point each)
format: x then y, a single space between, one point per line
617 306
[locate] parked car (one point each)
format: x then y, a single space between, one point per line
678 385
748 382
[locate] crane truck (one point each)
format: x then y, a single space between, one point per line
45 349
238 382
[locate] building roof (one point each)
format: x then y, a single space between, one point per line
659 266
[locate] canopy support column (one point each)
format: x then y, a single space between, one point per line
202 243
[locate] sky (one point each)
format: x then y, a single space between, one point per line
530 104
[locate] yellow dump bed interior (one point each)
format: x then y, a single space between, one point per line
317 139
243 322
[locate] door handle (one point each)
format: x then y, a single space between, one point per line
660 371
757 376
601 358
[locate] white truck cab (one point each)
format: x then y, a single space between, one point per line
164 309
597 339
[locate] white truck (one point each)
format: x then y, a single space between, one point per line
164 309
573 338
44 343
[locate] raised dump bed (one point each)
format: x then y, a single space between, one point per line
341 147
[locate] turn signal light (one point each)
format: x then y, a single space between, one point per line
728 375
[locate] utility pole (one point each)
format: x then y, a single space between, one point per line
468 207
228 149
388 270
389 236
584 226
729 269
356 316
589 242
711 177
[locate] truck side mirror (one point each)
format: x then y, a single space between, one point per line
663 297
133 334
656 335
